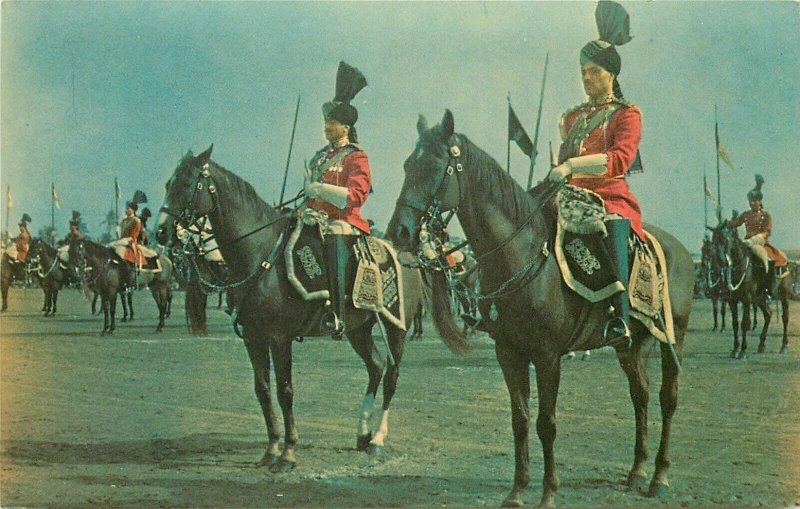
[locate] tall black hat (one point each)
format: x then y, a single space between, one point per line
349 82
613 25
25 220
755 193
76 218
138 197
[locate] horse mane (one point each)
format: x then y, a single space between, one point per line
513 201
248 195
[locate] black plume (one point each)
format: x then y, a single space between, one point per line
759 182
139 197
146 214
349 82
613 23
26 218
76 215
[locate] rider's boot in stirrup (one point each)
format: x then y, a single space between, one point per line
336 252
616 331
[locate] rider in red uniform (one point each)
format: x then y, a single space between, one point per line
22 240
600 145
338 181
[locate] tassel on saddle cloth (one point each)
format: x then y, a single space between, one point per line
586 265
375 283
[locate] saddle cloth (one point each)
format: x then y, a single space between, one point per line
586 265
372 275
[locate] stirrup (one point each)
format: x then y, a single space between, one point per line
620 337
333 325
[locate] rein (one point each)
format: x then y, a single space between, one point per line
52 267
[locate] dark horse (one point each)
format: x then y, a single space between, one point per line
52 276
533 316
712 276
10 270
268 309
104 273
744 281
160 285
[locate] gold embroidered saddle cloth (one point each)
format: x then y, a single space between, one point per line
587 269
372 274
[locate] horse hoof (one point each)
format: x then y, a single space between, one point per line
282 467
657 489
123 319
268 460
637 482
512 501
784 349
375 450
103 333
742 356
362 442
734 354
762 348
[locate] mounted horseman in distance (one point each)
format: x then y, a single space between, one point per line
15 258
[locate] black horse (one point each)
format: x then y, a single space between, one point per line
534 317
743 280
712 277
268 309
51 273
10 271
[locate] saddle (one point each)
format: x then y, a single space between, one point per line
586 266
371 279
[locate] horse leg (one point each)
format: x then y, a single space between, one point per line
755 317
638 383
735 326
722 312
160 302
4 290
94 304
113 311
668 398
785 320
361 341
281 351
516 372
745 328
714 308
130 304
767 311
124 303
104 304
258 352
55 299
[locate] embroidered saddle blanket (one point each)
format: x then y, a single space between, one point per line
372 274
587 269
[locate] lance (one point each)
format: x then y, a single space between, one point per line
705 198
8 205
538 122
289 157
719 192
52 212
508 141
116 204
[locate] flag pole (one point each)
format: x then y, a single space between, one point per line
538 122
719 192
116 202
52 211
289 157
8 205
705 198
508 141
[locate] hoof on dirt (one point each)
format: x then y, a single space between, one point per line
657 489
784 349
362 442
762 348
374 450
742 356
513 500
123 319
734 354
282 467
268 460
636 482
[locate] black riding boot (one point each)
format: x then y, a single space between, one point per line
336 253
616 331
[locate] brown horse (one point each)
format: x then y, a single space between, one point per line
533 316
268 310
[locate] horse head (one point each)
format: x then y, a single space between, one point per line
431 185
189 196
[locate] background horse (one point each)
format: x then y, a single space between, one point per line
533 316
160 285
10 270
269 311
742 281
52 276
712 275
102 272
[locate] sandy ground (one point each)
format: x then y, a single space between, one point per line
144 420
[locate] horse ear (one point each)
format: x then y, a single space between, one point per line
448 125
422 124
205 156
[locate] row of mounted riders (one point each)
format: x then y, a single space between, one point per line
731 274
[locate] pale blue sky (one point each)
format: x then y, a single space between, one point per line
94 90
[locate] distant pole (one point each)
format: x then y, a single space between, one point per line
553 162
289 157
705 198
508 141
719 192
52 211
538 122
116 202
8 205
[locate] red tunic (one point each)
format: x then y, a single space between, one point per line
22 242
132 227
756 223
354 174
619 139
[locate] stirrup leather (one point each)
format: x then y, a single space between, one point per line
618 340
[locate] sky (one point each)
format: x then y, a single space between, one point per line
90 91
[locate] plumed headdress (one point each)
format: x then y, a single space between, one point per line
613 25
76 218
145 215
755 193
349 82
25 220
138 197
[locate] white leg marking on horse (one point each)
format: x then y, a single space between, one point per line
383 430
364 413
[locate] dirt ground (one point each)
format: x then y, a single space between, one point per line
144 420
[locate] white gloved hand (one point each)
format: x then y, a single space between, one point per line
312 189
559 173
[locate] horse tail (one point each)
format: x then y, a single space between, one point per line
443 318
